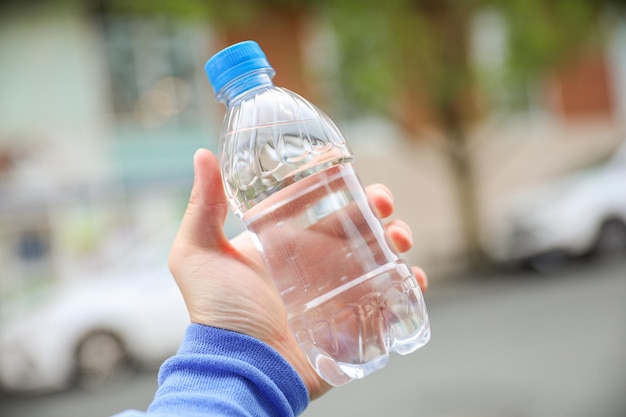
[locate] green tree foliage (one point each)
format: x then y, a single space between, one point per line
386 47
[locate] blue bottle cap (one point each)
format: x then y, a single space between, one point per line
235 61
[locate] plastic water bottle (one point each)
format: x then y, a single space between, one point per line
288 174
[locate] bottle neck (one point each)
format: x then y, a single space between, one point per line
241 86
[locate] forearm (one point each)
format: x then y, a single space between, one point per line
221 373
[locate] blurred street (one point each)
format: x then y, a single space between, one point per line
523 345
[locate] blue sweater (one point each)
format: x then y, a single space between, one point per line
222 373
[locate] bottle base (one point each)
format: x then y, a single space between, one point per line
340 373
350 336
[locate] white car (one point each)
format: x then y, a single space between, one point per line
130 313
579 215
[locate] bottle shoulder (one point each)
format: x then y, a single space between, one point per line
272 139
282 119
270 106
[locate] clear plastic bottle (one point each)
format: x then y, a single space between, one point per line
288 174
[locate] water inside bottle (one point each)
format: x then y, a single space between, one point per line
350 298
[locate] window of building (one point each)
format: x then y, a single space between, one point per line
154 69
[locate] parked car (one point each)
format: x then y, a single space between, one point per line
131 313
579 215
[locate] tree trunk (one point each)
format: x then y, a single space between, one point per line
461 165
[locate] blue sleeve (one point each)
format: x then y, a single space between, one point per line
222 373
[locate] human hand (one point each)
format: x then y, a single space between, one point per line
225 283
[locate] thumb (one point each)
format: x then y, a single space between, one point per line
203 222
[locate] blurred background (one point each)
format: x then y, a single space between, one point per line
500 126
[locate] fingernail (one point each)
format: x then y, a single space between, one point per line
388 192
410 236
